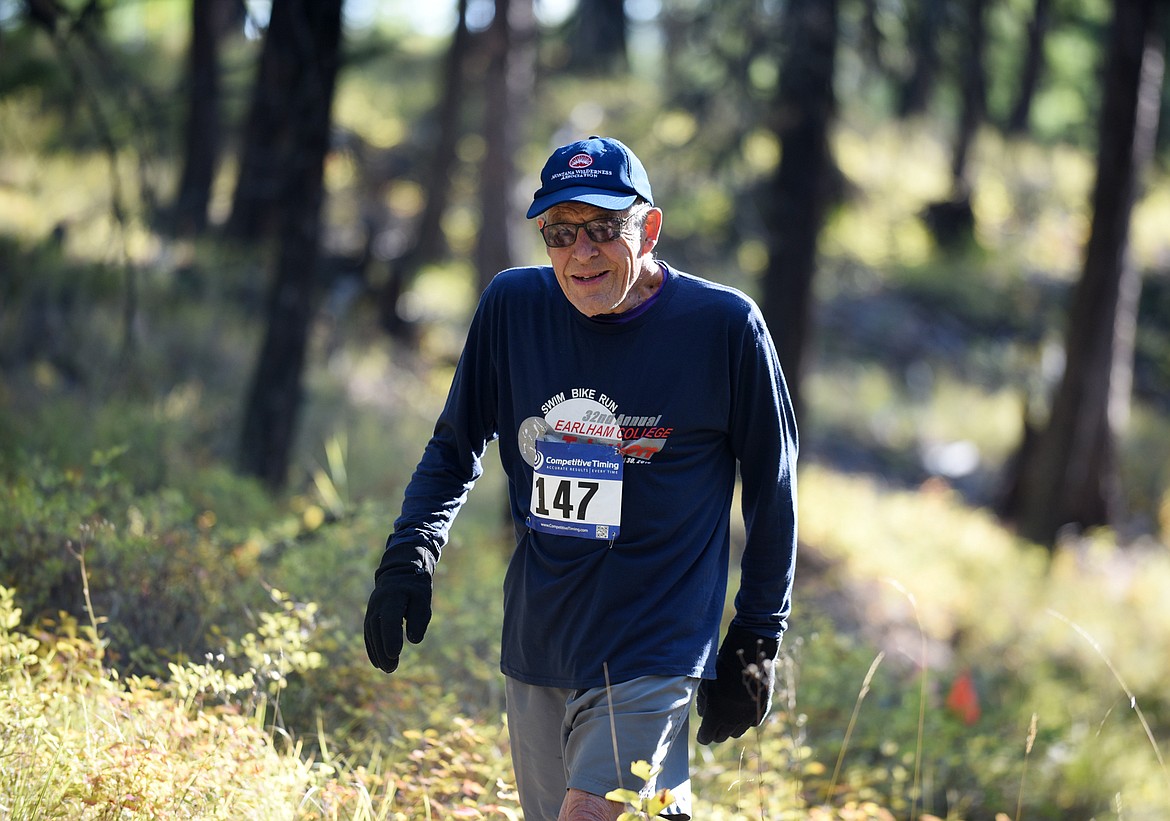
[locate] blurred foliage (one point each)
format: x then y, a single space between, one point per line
148 554
906 592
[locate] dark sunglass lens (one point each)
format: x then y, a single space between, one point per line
604 230
559 235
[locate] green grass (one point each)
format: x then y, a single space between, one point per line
286 719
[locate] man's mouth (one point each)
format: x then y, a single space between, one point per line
588 277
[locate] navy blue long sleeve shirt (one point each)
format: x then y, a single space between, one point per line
684 394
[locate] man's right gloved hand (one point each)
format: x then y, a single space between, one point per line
402 595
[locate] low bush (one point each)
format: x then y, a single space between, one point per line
935 667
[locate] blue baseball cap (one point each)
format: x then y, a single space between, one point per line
599 171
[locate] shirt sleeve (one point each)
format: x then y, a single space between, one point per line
765 441
453 458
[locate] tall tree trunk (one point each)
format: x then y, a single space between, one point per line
307 33
798 195
952 221
210 20
1070 476
926 22
1021 112
508 83
871 38
269 136
597 42
428 234
973 88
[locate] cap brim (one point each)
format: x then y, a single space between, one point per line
590 196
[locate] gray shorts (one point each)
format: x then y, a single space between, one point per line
562 738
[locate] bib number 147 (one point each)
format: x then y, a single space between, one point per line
576 490
563 497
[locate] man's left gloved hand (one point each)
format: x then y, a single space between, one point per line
741 694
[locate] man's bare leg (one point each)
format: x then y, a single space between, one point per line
583 806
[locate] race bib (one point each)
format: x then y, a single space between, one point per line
576 490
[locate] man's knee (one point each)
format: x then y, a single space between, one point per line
583 806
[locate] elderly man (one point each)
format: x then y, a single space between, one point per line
626 397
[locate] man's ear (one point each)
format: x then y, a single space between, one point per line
651 229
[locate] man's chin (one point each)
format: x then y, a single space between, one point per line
591 305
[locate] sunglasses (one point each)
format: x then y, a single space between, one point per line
564 234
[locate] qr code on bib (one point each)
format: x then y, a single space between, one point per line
602 532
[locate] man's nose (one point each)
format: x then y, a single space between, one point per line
583 247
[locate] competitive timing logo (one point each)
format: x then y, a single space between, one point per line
589 417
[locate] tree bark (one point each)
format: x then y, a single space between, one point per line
952 221
1070 476
798 195
871 39
307 34
210 20
509 82
973 89
428 235
269 135
1033 66
598 42
926 22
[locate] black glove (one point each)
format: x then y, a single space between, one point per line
402 593
741 694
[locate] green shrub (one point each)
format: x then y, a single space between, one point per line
80 741
153 565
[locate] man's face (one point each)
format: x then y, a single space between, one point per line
599 278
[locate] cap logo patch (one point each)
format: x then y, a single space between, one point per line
581 161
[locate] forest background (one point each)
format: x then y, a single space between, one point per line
239 247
